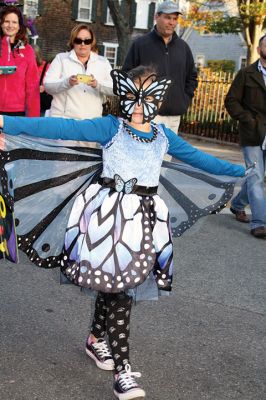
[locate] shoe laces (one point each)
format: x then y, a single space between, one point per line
126 378
102 348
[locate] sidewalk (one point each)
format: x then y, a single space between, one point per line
226 151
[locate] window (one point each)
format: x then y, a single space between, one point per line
142 14
200 60
110 52
30 8
84 10
109 20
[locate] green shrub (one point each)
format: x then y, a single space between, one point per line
221 65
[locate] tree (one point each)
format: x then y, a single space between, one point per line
251 20
123 16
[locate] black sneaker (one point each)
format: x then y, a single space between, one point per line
125 386
100 353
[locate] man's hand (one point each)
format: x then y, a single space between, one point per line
1 121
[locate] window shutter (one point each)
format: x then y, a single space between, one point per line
100 49
104 11
75 9
40 7
133 10
93 10
151 15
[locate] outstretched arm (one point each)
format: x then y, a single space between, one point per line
183 151
95 130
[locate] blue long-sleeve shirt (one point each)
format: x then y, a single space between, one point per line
103 129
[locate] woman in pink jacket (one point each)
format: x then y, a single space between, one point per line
19 94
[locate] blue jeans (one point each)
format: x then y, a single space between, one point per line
252 191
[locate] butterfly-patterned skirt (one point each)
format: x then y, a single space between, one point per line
115 241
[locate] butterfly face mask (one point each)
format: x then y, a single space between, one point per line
149 96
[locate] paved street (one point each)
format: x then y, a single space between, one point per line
205 342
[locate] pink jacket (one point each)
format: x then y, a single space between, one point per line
19 92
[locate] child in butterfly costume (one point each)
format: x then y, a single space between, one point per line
118 237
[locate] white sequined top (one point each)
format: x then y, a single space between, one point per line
130 158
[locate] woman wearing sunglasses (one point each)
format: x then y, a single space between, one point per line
79 79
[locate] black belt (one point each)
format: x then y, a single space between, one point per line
136 189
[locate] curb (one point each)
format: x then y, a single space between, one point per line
208 140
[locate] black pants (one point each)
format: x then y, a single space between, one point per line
112 317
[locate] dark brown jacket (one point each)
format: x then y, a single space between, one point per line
246 102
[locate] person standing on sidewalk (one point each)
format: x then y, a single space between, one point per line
246 102
172 57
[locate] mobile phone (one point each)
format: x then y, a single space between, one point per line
82 78
7 70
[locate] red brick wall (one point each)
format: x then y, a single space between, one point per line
53 26
55 23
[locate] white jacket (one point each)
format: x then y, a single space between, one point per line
80 101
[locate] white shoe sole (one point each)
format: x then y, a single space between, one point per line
134 394
106 367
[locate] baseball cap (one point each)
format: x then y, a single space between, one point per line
168 7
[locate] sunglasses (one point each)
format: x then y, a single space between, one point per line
83 41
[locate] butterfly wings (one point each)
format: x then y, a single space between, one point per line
8 243
130 95
191 194
48 177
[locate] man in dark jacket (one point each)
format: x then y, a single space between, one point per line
246 102
172 58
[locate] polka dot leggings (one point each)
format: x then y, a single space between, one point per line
111 317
